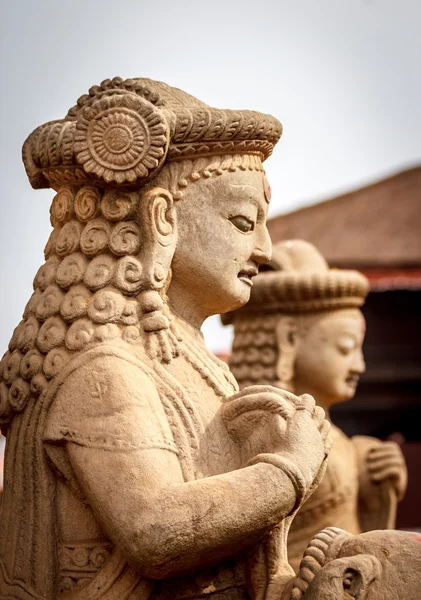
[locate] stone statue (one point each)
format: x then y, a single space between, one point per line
134 467
378 565
303 331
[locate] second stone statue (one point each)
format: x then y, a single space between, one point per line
303 331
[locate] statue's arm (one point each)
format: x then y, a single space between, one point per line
109 418
164 525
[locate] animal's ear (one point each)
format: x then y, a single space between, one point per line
287 343
352 583
347 578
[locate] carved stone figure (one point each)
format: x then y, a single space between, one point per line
378 565
134 467
303 331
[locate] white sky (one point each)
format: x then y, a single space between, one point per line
343 76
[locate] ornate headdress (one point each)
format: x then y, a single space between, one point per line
123 131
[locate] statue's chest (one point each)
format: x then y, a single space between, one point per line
205 385
334 502
341 478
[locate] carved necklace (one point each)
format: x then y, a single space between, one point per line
199 357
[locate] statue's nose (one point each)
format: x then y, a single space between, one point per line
262 253
358 364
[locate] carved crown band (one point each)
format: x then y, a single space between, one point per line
122 133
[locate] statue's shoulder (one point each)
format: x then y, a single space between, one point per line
107 361
107 397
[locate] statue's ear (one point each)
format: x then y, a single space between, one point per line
158 220
287 342
345 578
162 215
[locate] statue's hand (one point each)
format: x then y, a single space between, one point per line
256 419
306 441
265 420
386 461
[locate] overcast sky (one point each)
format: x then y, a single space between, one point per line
343 76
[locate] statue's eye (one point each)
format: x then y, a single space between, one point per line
242 223
347 345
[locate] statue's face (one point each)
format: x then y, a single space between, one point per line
329 358
222 239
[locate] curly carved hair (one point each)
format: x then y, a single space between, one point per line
90 289
256 358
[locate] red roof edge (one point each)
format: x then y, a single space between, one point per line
393 279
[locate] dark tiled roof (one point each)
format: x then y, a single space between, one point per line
375 226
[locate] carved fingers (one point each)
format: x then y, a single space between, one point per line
305 402
262 411
256 419
263 389
386 461
307 442
270 421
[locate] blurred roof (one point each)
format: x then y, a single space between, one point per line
402 278
377 226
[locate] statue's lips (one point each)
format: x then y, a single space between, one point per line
352 380
246 275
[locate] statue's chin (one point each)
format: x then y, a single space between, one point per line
241 293
235 303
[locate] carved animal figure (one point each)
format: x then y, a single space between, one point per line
377 565
303 331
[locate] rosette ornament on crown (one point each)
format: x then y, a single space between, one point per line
121 139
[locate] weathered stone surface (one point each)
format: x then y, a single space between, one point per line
134 468
378 565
